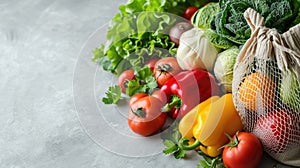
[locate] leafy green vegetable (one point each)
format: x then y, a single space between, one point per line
217 40
297 6
171 139
172 148
172 6
223 68
113 95
210 162
144 82
230 22
140 32
203 18
133 40
205 15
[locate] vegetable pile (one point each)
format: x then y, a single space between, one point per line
140 32
181 68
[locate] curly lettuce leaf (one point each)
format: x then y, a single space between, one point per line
134 39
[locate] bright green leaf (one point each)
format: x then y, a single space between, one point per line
113 95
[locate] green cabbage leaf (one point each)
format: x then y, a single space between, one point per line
231 24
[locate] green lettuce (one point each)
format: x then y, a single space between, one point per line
230 22
140 32
134 39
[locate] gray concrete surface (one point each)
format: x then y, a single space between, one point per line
40 42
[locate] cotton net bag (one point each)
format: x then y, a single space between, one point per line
266 88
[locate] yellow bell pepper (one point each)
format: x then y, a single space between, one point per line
208 123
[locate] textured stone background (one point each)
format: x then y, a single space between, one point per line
39 43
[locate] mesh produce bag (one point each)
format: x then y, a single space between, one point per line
266 89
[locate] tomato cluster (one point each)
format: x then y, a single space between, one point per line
145 116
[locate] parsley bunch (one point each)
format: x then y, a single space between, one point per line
144 82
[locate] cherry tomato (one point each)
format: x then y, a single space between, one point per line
151 63
245 150
189 12
165 68
145 116
124 77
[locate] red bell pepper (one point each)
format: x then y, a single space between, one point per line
187 89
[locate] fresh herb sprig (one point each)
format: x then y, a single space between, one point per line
210 162
113 95
171 139
144 82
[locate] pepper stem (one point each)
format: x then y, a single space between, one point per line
175 102
183 144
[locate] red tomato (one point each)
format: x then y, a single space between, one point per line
162 97
124 77
277 130
165 68
136 97
246 151
151 63
189 12
145 116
